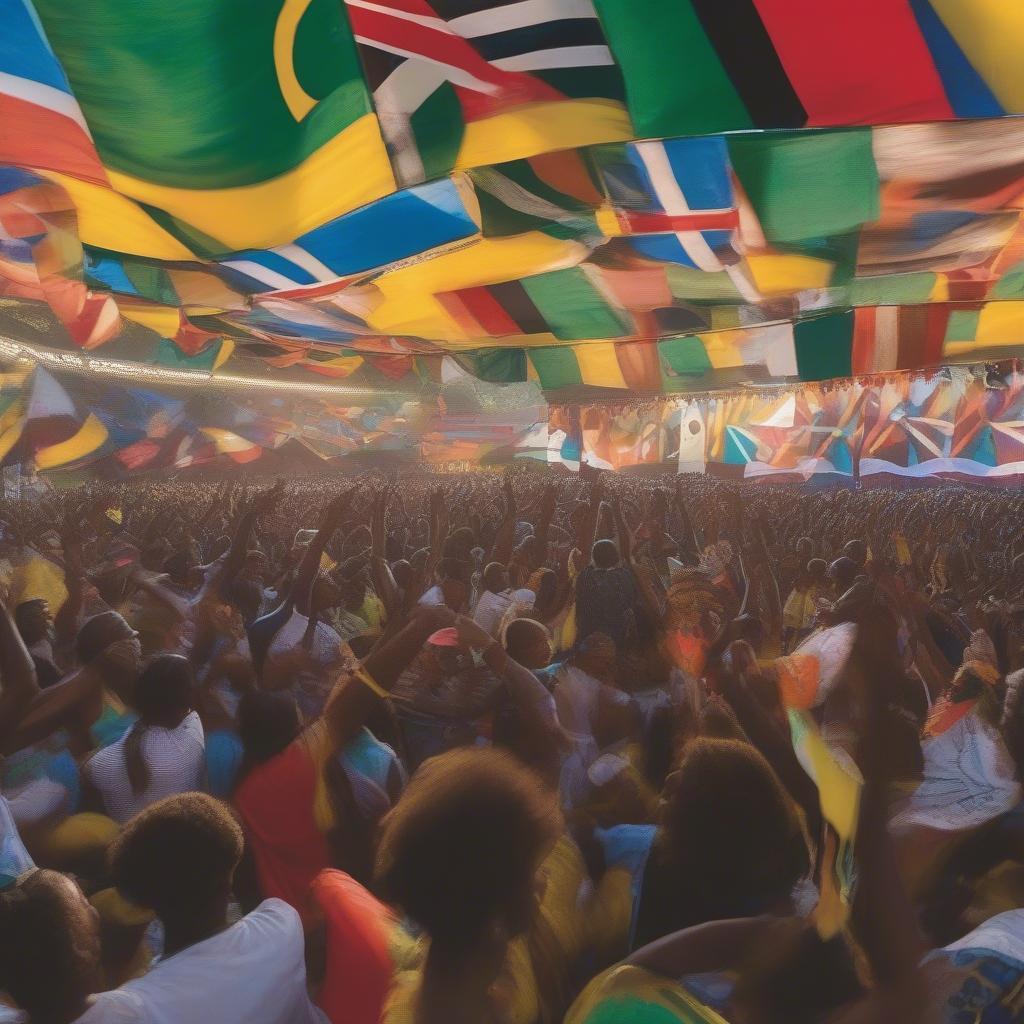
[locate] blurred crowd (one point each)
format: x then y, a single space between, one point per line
511 749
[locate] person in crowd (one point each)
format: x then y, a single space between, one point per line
162 753
513 748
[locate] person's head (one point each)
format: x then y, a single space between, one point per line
458 544
816 569
256 566
856 551
495 577
164 690
459 853
446 653
804 548
402 572
179 568
325 593
728 827
453 579
605 554
267 722
529 643
33 620
841 573
49 947
107 643
177 858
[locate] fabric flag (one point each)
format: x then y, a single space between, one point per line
41 257
226 123
692 437
51 430
677 196
458 85
41 123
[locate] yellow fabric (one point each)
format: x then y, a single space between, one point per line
781 275
610 914
109 220
165 320
38 578
408 305
227 346
9 435
90 436
76 837
556 939
599 365
277 211
638 996
541 127
989 33
999 323
227 441
113 908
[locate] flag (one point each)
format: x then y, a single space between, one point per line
227 124
41 123
458 85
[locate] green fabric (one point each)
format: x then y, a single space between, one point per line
438 128
824 346
891 290
150 281
498 219
633 1010
1011 284
685 283
499 366
202 244
168 354
188 94
675 82
962 325
806 185
556 366
684 356
573 308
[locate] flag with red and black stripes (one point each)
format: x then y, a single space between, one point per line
441 69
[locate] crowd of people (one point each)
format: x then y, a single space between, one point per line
511 749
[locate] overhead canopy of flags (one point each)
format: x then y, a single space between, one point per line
572 192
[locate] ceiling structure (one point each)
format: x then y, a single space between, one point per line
672 195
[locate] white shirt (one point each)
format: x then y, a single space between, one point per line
252 973
177 763
490 609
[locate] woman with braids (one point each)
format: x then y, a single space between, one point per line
164 751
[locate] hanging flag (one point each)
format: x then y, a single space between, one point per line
457 88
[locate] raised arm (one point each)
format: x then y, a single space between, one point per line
302 588
588 533
358 692
380 572
501 550
18 675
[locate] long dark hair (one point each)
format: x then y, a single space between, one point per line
162 690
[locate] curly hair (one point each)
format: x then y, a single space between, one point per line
178 854
729 842
461 849
49 948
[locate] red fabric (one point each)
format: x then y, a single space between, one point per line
658 223
359 964
35 136
275 801
487 311
856 63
